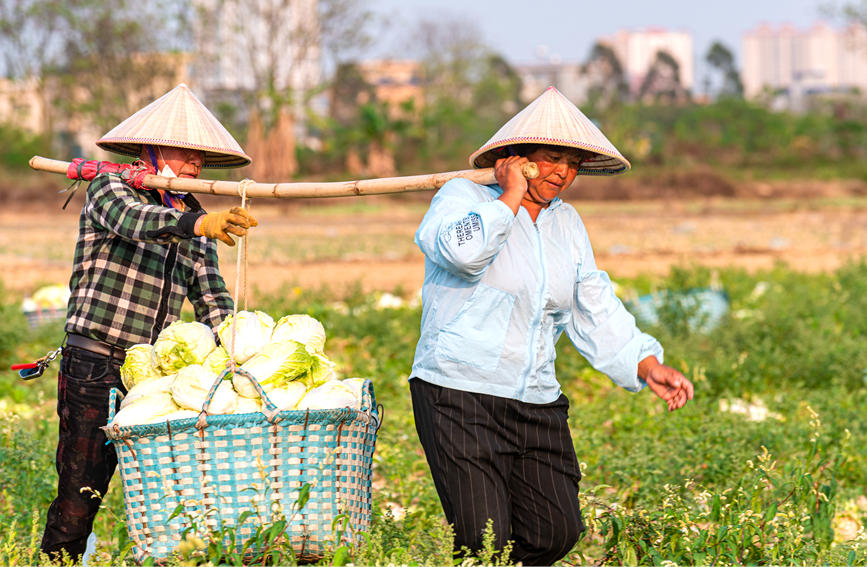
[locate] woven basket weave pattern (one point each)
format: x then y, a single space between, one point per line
241 463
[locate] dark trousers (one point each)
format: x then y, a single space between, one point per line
504 460
83 460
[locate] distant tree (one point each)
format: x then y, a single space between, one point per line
282 45
856 12
346 29
27 29
91 61
606 77
662 81
120 55
276 44
451 53
722 62
497 81
348 90
469 90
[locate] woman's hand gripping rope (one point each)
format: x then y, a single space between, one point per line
219 225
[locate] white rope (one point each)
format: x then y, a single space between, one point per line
230 363
242 253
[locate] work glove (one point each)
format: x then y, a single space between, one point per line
219 225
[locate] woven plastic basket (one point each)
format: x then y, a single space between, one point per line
38 317
222 468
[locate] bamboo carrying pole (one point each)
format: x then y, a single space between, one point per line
301 190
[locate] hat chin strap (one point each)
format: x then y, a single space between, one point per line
536 200
153 156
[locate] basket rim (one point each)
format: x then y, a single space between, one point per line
369 414
219 421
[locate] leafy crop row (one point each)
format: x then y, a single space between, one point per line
765 466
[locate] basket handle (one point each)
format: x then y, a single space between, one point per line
368 401
112 402
270 410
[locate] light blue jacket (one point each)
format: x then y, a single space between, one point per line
499 290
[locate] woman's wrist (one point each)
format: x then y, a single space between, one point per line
511 201
646 366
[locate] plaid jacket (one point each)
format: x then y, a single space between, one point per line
135 263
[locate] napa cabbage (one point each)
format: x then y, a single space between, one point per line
182 343
275 366
286 397
301 328
139 365
192 384
330 395
217 361
252 331
163 384
145 409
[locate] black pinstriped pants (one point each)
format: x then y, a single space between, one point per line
501 459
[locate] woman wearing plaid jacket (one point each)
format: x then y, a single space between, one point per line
140 253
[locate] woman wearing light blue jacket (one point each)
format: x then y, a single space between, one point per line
508 269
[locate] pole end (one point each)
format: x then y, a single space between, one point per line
530 170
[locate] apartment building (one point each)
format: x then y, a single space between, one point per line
637 50
394 81
569 78
21 106
801 62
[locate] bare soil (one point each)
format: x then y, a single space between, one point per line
646 228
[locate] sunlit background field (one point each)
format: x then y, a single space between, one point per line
766 464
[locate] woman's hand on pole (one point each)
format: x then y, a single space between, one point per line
511 180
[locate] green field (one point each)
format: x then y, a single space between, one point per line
767 465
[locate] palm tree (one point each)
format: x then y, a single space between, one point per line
662 81
721 59
606 76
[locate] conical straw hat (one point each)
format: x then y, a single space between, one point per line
553 120
177 119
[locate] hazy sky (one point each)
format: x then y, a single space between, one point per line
566 29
